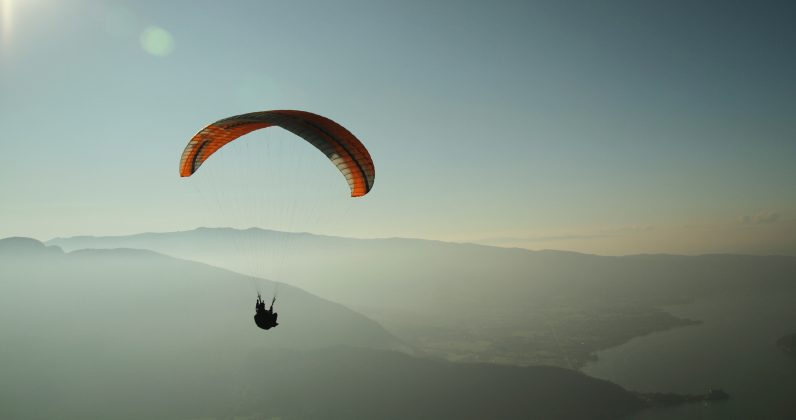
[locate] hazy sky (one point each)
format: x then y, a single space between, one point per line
611 127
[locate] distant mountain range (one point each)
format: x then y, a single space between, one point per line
407 273
125 333
473 302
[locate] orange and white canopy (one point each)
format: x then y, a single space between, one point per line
338 144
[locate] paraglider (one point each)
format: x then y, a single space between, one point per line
265 318
339 145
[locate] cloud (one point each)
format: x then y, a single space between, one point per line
760 218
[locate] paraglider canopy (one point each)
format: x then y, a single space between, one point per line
337 143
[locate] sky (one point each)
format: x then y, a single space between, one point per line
612 127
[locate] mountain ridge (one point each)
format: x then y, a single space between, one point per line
230 230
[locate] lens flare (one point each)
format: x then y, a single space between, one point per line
157 41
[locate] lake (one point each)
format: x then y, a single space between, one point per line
733 349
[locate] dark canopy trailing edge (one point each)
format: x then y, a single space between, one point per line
338 144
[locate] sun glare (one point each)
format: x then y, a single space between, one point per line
6 9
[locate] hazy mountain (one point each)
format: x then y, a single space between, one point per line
135 334
141 294
473 302
17 246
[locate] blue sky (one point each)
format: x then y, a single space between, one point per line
609 127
